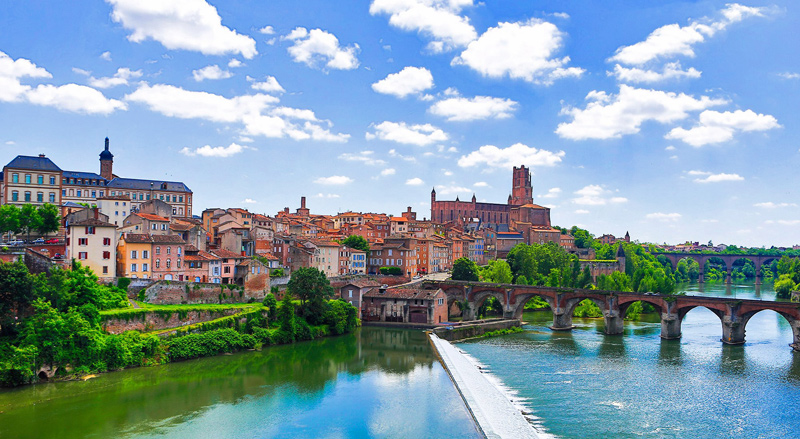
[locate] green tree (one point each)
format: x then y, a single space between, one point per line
583 239
16 293
465 269
784 286
286 319
497 272
29 219
9 219
271 303
49 219
357 242
313 289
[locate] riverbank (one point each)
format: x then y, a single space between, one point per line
492 410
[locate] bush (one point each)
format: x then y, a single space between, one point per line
209 343
123 283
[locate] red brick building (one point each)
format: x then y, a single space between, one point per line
404 305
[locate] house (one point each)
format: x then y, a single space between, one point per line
222 269
30 179
404 305
353 291
133 256
394 252
145 223
167 257
92 241
352 261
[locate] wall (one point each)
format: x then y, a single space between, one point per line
176 292
473 330
153 321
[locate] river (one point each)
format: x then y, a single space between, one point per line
583 384
381 383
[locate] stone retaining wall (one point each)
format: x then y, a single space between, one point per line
152 321
193 293
469 330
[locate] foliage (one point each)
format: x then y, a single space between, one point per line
499 332
49 219
271 304
9 219
16 293
391 271
546 264
497 272
465 269
78 286
357 242
784 286
285 319
209 343
29 219
587 308
278 272
313 289
341 317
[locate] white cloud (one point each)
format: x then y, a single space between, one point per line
788 222
400 132
696 172
74 98
520 51
257 113
416 181
516 154
81 71
612 116
673 40
771 205
789 75
716 127
334 180
410 80
481 184
438 20
267 30
10 142
11 72
234 63
120 78
596 195
269 85
670 148
664 217
321 195
448 190
479 107
552 193
106 56
408 158
671 70
388 171
317 47
581 211
214 151
187 24
210 72
717 178
365 157
249 201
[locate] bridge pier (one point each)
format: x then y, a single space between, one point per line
562 321
614 322
670 326
732 330
701 276
796 335
728 276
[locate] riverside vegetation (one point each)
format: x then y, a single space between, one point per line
54 321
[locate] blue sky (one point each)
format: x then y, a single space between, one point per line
674 120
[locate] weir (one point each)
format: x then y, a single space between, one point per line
495 414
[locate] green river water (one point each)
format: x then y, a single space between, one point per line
386 383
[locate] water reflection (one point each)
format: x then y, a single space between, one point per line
669 353
300 390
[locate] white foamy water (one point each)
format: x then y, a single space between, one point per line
497 409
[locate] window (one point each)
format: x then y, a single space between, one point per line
83 255
78 193
133 254
178 250
106 241
15 178
40 179
145 267
14 196
169 263
90 230
94 194
63 192
133 268
179 263
28 196
226 270
350 293
27 178
105 269
441 301
106 255
52 197
169 250
154 226
145 254
158 263
158 250
52 180
180 198
83 241
163 227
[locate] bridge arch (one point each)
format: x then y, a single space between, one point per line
793 321
480 296
520 300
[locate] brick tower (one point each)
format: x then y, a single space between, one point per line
522 192
106 163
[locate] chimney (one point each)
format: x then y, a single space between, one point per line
95 212
383 288
302 202
41 155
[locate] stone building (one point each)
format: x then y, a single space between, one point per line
404 305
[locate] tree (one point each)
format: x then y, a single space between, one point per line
498 272
29 219
49 219
271 303
286 319
16 292
465 269
357 242
9 219
313 289
784 286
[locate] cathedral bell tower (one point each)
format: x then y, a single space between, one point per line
106 163
522 190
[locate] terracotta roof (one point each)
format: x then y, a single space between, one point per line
403 293
92 222
151 217
362 283
222 253
181 227
140 238
191 248
166 239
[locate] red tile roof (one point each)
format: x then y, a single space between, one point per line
403 293
151 217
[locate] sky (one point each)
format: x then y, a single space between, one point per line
673 120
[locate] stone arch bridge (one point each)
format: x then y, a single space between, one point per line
733 313
727 259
